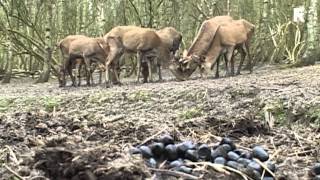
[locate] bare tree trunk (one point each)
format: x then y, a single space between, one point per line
9 59
312 26
44 77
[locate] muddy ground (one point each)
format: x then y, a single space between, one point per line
85 132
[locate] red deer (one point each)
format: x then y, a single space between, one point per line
131 39
214 39
66 66
91 50
170 43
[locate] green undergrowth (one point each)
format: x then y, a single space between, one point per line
191 113
5 103
278 111
310 114
313 115
46 103
139 96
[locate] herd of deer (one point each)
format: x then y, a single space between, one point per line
220 35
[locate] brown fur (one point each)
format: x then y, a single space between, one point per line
170 38
91 50
204 38
215 38
229 36
131 39
64 45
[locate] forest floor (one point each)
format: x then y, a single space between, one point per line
85 132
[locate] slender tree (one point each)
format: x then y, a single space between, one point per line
44 77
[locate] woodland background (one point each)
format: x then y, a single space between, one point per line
29 29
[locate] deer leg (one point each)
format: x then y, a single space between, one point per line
91 73
243 55
139 61
228 57
107 78
226 66
150 69
217 69
113 56
79 74
69 69
88 70
232 64
116 74
250 58
100 76
159 71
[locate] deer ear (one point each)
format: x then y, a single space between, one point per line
185 53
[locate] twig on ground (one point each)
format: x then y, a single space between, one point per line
38 177
298 139
13 156
175 174
116 118
153 136
275 154
160 167
13 172
301 153
221 168
264 167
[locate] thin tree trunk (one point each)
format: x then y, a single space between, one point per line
9 59
312 26
44 77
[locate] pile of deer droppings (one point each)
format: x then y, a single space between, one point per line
185 156
315 171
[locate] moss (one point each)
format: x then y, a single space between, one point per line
50 103
277 109
139 96
100 98
313 115
5 104
191 113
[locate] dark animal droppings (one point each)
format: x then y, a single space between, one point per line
192 155
259 153
233 156
176 163
171 152
166 139
227 147
135 150
316 169
229 142
233 164
183 147
152 163
204 152
146 151
255 166
244 161
220 160
157 149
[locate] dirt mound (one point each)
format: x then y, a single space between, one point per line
83 133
